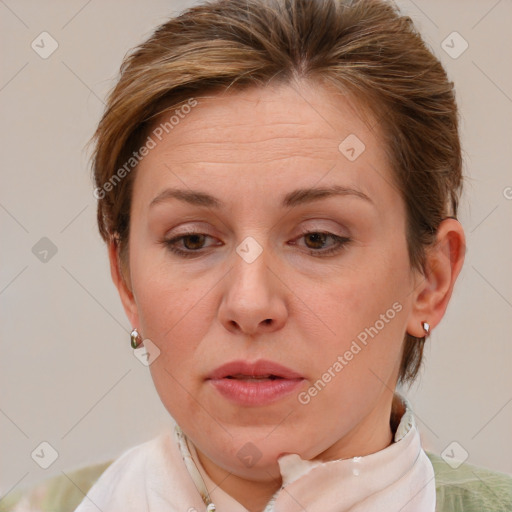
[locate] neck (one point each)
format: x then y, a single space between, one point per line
373 434
253 495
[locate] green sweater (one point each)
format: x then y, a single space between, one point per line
465 489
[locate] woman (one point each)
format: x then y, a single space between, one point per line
278 185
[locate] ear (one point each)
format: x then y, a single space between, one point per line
123 286
443 264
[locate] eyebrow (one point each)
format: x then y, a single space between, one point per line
290 200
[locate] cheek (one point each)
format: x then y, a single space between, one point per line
174 316
357 300
172 310
363 316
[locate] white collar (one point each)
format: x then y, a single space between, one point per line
399 477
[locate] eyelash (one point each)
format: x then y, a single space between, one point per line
341 243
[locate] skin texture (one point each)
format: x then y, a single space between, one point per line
289 305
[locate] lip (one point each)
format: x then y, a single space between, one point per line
248 383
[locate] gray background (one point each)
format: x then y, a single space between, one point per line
68 375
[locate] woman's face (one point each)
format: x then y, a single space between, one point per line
292 269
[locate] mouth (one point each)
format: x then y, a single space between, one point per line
254 383
253 378
258 370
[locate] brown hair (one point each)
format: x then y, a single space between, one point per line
364 47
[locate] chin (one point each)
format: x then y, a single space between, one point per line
253 453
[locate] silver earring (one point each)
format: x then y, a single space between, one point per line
426 327
135 338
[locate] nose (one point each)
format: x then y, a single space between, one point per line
254 300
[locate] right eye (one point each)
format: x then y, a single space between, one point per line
192 242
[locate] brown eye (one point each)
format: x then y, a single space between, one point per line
188 245
317 240
193 242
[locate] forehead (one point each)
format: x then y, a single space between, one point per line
267 139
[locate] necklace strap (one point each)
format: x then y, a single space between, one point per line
193 470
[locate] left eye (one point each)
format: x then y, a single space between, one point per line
194 242
319 237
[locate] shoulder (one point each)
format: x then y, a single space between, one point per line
60 493
66 491
469 488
